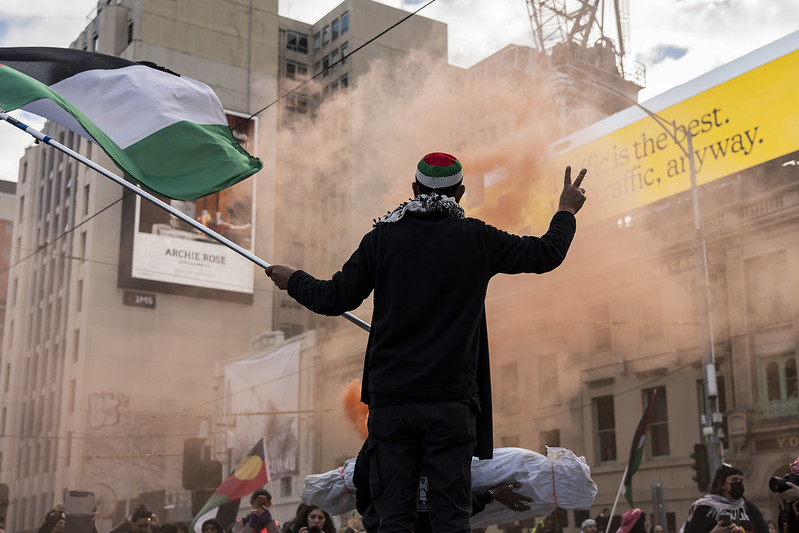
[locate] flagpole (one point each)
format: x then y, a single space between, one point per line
39 136
616 501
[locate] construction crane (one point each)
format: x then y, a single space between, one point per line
584 23
585 43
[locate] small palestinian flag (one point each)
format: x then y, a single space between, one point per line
637 450
251 474
167 132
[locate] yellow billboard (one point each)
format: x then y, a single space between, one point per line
749 117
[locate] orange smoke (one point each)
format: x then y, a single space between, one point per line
356 411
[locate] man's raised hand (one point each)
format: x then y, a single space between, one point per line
572 197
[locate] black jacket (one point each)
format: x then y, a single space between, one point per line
429 273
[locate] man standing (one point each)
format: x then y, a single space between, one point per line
426 374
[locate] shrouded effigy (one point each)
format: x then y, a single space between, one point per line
559 479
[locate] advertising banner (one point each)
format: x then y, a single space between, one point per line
633 158
161 252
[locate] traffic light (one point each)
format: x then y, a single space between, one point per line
198 471
701 466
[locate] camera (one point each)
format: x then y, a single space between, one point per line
314 529
779 484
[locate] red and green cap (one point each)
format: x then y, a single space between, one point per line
439 171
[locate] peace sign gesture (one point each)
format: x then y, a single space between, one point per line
572 197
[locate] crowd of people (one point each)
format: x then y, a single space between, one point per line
723 510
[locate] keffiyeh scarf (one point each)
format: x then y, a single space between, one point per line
424 203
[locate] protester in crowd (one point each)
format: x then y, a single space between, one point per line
211 525
141 521
426 377
657 528
292 525
182 527
772 527
725 508
354 524
54 520
259 518
312 519
602 520
588 526
169 528
633 521
789 508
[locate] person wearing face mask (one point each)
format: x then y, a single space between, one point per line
725 510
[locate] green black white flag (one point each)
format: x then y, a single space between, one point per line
167 132
637 449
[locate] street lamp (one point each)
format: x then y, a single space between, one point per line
711 419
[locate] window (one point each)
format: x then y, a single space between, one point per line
650 316
317 42
297 103
344 81
325 65
334 30
296 70
72 394
509 380
285 486
345 22
550 437
657 441
604 428
95 43
317 68
325 35
344 51
767 303
290 330
779 378
130 32
297 42
600 315
334 59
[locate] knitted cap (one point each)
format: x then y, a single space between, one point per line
629 519
587 522
439 170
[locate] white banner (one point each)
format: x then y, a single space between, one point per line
267 384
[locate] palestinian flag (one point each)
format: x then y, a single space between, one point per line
637 450
251 474
167 132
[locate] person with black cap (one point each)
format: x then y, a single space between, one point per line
724 509
426 373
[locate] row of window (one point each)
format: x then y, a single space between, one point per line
299 71
299 103
332 60
298 42
331 32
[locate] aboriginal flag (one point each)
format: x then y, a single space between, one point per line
251 474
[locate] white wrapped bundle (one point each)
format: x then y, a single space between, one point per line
332 491
560 475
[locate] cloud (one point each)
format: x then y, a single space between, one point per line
662 52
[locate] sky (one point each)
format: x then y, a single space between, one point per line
676 40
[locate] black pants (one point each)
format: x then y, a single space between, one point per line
437 438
